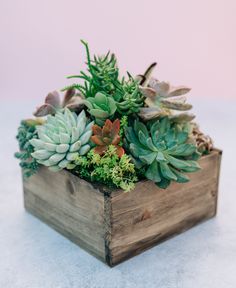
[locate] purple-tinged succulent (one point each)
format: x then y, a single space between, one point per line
52 104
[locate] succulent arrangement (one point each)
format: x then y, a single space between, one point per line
114 130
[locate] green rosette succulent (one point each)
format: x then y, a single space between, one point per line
132 99
162 148
61 139
101 107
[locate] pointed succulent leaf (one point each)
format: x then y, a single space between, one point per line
75 133
37 143
41 154
53 99
163 149
84 149
56 138
142 138
54 168
100 98
119 151
76 146
182 117
44 110
68 96
56 158
164 183
166 171
64 138
63 164
112 106
71 156
99 113
148 92
181 177
148 158
175 105
162 88
61 139
107 128
152 172
88 103
139 126
177 163
151 145
107 135
43 136
148 113
62 148
85 137
160 156
164 99
179 90
183 150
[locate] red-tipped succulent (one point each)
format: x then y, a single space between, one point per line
108 135
53 103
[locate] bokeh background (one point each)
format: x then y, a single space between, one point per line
194 43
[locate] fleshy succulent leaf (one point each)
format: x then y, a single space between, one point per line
163 149
163 100
53 98
61 139
106 136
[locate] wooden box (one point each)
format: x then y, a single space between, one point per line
114 225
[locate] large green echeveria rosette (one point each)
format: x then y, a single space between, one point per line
163 149
61 139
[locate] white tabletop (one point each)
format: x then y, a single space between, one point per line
33 255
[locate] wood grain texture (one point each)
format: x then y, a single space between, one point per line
114 225
148 215
70 205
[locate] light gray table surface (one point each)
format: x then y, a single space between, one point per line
32 255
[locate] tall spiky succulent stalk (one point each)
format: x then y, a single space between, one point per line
102 76
61 139
163 149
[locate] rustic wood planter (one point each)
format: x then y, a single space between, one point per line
113 225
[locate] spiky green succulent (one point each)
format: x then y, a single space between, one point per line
101 107
61 139
131 98
163 149
102 75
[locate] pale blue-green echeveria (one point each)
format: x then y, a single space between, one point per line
61 139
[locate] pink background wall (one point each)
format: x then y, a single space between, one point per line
194 42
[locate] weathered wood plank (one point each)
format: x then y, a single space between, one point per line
148 215
114 225
70 205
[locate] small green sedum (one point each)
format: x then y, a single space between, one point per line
61 139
